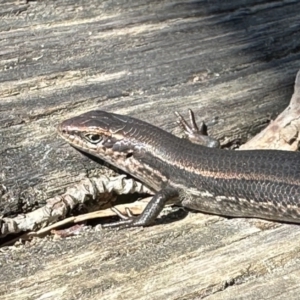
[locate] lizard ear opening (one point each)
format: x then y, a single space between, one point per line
93 138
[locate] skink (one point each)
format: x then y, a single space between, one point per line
256 183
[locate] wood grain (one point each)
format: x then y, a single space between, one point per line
233 63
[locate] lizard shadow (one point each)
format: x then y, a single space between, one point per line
167 217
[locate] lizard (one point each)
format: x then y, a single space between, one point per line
194 172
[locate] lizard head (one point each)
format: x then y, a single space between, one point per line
124 142
97 131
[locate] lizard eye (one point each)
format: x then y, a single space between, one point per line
93 138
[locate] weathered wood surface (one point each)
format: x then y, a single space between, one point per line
233 63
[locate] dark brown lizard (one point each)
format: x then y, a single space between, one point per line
254 183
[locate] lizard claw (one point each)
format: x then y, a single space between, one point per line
195 134
126 216
127 220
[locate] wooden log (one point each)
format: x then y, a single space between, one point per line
233 63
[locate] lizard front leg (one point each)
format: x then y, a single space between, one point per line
152 210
